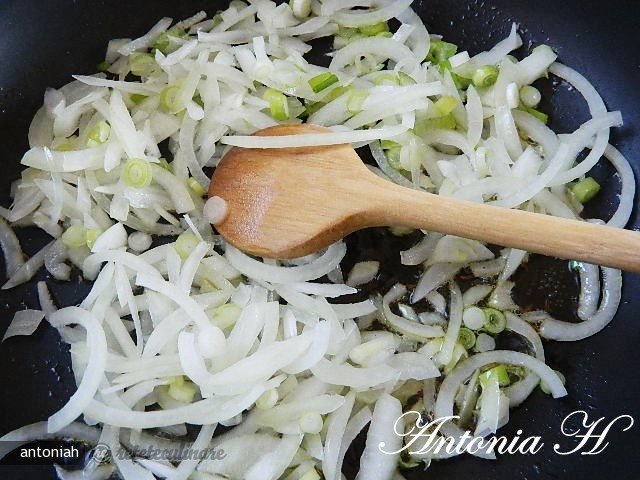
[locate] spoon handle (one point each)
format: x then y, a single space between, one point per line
533 232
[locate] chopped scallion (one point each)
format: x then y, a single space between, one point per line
446 104
91 236
278 106
374 29
445 122
163 42
494 320
485 76
530 96
393 157
137 173
142 64
347 32
322 81
170 100
182 390
185 243
166 165
386 144
575 266
440 50
585 189
311 108
499 372
401 231
98 134
386 79
355 100
543 117
517 371
466 338
103 66
443 65
334 93
137 97
226 315
406 79
196 187
462 83
74 236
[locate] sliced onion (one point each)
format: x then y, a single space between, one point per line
336 424
390 9
97 345
589 290
314 139
384 442
363 272
433 277
413 329
627 192
11 248
24 322
611 295
28 269
207 411
271 273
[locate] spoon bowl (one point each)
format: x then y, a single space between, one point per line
290 202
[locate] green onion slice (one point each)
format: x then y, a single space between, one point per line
467 338
74 236
185 243
170 100
322 81
374 29
91 236
446 104
142 64
137 173
440 50
278 105
543 117
499 372
494 320
98 134
137 97
485 76
196 187
585 189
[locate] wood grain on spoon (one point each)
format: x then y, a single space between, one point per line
289 202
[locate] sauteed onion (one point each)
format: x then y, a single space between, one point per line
180 328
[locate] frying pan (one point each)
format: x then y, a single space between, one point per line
43 42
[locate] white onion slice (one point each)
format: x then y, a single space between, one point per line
313 139
11 248
97 345
24 322
271 273
383 443
611 295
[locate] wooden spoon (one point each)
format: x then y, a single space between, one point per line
289 202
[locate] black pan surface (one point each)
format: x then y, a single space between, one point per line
42 43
